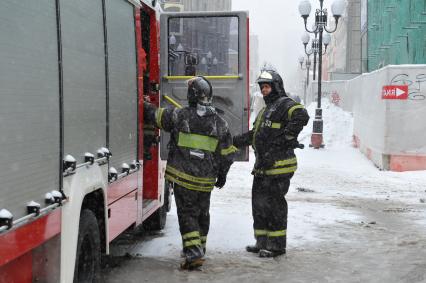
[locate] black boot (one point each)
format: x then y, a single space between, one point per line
192 264
252 249
193 258
267 253
260 244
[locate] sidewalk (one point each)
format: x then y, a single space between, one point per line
347 221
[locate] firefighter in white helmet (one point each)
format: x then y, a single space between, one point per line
274 138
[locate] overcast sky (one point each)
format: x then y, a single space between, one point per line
279 27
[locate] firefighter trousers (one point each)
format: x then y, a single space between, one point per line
194 219
270 210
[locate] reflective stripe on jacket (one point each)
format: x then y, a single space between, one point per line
200 147
273 136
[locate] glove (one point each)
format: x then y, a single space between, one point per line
287 140
149 112
238 141
220 182
292 144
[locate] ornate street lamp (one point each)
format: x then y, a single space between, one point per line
307 68
321 16
203 61
209 55
172 41
215 63
207 61
326 39
178 55
180 48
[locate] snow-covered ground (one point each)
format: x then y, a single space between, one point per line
339 205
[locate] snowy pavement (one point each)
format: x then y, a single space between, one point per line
348 222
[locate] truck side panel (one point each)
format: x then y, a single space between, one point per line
84 86
123 113
29 107
122 82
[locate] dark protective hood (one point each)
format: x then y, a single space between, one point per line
200 91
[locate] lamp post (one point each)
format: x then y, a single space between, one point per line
315 54
307 68
173 56
321 15
208 61
181 60
215 62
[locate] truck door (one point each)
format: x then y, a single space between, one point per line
214 45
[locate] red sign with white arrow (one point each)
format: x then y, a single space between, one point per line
395 92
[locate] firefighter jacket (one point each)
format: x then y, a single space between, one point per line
200 147
274 135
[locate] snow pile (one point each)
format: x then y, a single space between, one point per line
338 125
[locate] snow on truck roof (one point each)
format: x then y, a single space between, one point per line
154 4
150 3
135 2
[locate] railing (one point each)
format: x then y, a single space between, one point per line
32 216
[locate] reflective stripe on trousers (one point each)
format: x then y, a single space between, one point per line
188 181
285 166
191 239
260 233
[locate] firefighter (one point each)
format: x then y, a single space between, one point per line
273 138
200 155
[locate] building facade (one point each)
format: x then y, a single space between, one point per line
396 33
343 57
376 33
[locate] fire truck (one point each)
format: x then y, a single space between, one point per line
78 167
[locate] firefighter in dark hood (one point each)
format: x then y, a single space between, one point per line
200 155
273 138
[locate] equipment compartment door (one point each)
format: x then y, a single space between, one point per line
214 45
29 107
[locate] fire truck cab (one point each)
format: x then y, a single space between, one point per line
75 172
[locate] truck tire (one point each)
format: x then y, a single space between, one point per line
88 259
157 221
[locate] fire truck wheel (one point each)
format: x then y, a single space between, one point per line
157 221
87 263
